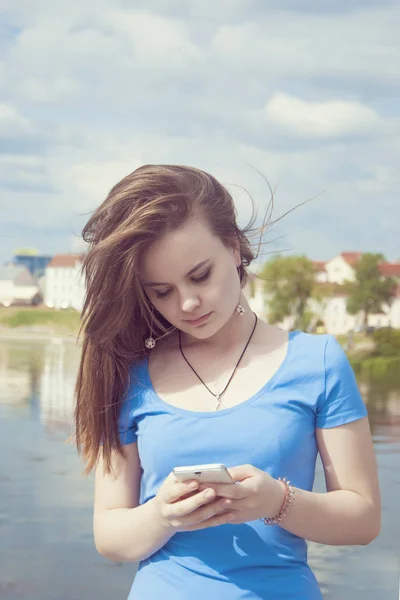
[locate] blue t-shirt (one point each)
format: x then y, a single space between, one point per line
273 430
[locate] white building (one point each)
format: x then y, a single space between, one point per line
332 310
64 285
395 311
254 292
335 316
341 268
18 286
321 275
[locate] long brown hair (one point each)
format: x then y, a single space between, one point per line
116 316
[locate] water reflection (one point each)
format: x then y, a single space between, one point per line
57 382
37 381
41 375
383 400
15 377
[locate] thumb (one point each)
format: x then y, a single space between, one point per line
242 472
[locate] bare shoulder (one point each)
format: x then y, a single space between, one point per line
271 337
267 353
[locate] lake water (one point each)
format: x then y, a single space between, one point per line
46 541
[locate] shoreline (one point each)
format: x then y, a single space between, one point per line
49 334
8 334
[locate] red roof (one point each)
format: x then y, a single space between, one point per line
390 269
319 265
351 257
65 260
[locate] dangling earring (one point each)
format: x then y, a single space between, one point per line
240 310
150 341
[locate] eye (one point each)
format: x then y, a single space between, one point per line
203 277
162 294
199 279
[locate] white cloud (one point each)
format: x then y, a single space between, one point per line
90 94
299 44
62 53
22 171
154 39
86 183
41 89
12 122
335 118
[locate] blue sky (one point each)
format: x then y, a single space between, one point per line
309 96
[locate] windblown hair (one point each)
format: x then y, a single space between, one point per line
116 316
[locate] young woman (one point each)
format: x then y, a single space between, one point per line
177 370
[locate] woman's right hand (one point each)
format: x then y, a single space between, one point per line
179 506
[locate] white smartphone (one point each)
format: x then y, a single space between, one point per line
214 473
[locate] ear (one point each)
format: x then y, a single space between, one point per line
236 253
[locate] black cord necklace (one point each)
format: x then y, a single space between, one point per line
219 396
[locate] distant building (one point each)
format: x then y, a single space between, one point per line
18 287
254 292
321 274
36 264
64 284
332 310
342 268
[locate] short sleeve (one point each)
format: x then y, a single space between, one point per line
127 428
342 402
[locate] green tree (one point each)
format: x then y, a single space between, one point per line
289 283
371 290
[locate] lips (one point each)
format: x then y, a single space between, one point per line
198 320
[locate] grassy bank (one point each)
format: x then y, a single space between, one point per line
370 359
63 322
377 366
66 323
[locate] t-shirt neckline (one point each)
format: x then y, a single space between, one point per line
225 411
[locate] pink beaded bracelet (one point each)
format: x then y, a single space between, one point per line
286 504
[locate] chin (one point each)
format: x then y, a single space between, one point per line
208 330
201 334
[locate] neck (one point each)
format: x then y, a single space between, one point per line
234 333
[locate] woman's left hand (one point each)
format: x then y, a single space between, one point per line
254 495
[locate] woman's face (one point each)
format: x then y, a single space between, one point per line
190 273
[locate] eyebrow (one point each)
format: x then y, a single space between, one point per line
200 264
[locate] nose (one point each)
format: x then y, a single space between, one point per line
189 303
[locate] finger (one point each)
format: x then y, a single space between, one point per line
242 472
177 489
204 513
226 490
188 495
220 519
189 505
